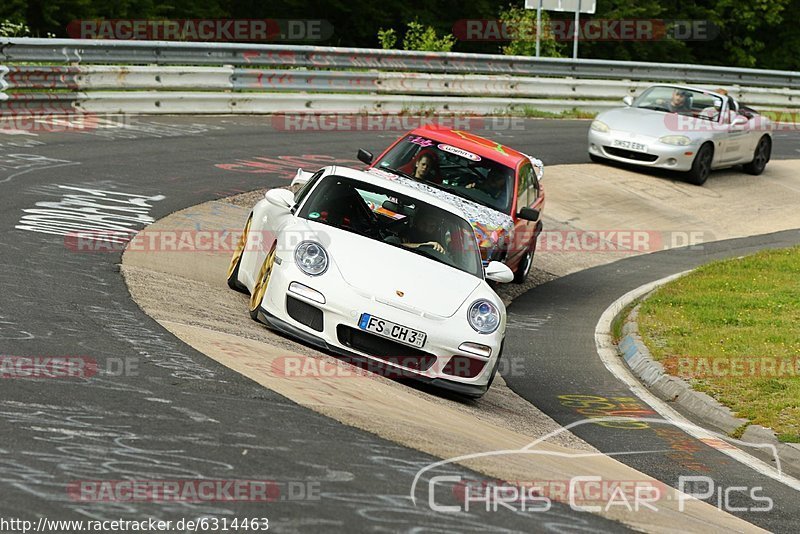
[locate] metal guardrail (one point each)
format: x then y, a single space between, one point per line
227 77
82 51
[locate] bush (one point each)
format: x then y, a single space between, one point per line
14 29
417 37
387 38
522 25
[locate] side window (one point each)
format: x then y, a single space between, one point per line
309 185
523 183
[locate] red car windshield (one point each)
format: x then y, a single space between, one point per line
453 169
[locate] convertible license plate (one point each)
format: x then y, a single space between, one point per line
630 145
391 330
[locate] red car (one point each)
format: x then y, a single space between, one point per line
498 188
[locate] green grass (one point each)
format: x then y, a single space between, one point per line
620 320
743 314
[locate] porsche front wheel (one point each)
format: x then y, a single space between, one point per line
262 281
236 260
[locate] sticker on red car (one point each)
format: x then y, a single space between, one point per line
460 152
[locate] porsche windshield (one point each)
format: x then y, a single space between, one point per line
682 101
453 169
384 215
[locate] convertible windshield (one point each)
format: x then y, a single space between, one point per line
453 169
682 101
383 215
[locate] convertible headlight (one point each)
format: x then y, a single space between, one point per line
600 126
679 140
483 316
311 258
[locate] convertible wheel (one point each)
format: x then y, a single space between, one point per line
760 157
597 159
236 260
701 167
260 289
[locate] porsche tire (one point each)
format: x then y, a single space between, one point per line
262 281
236 260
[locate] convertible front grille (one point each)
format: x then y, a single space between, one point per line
385 349
630 154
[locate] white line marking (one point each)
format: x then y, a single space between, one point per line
607 351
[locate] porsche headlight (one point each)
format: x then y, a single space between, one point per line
483 316
311 258
679 140
600 126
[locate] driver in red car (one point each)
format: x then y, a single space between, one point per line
494 185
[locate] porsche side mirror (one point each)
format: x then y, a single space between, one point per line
365 156
528 214
282 198
301 178
628 100
499 272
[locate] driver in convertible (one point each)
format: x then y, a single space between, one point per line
681 101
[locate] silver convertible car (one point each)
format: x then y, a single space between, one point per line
683 129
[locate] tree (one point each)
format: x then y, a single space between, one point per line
521 25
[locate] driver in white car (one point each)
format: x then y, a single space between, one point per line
424 232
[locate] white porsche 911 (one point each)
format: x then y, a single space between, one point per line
376 271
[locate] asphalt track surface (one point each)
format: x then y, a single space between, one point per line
564 376
177 414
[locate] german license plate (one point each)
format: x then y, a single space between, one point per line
630 145
391 330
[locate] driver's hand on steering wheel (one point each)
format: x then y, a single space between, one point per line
436 246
